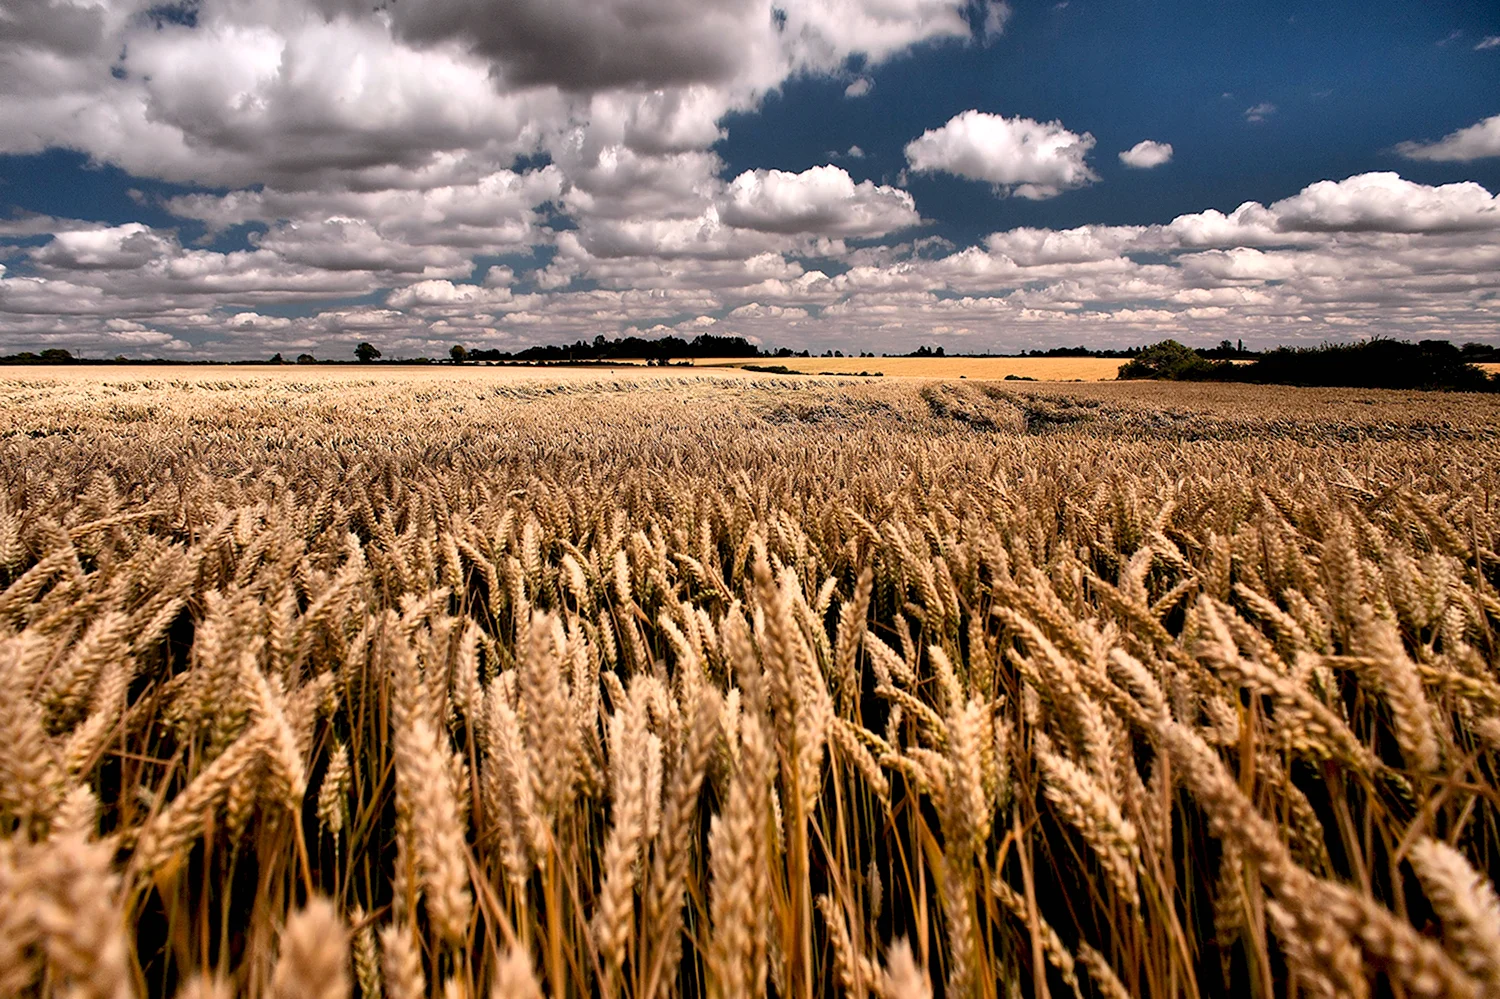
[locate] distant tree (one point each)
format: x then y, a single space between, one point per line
1168 359
366 353
458 353
276 358
56 355
306 359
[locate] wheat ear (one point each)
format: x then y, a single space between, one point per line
314 960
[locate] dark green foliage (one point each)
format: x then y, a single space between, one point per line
1378 363
627 348
52 355
1396 364
1170 360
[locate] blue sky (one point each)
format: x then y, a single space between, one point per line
232 178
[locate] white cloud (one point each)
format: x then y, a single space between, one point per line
822 200
442 293
1147 154
1019 156
299 95
1478 141
855 153
1488 42
1251 224
860 87
256 321
1260 112
822 34
494 213
1384 202
997 14
350 244
236 99
652 122
1033 247
107 248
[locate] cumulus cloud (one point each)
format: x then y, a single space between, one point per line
1479 141
303 95
1019 156
238 98
443 293
822 200
1260 112
1032 247
704 236
598 44
351 244
1147 154
105 248
1385 202
860 87
592 45
492 213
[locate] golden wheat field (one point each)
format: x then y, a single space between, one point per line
1046 369
735 686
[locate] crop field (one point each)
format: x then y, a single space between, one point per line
487 683
1042 369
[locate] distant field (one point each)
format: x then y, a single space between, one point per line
320 373
1046 369
1489 368
1056 369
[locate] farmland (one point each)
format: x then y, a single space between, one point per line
1060 369
395 682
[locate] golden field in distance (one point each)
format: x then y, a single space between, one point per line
1043 369
406 682
1065 369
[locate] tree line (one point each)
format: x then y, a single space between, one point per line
1375 363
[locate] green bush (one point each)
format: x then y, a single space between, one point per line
1170 360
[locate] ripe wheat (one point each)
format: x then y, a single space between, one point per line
740 687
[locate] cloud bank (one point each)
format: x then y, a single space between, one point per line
427 174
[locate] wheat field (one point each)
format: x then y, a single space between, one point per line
1045 369
741 686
